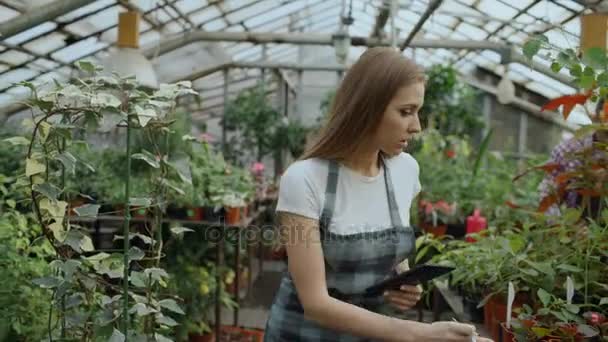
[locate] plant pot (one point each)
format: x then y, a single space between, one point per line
246 211
233 215
439 230
470 306
208 337
457 230
237 334
212 215
498 313
175 212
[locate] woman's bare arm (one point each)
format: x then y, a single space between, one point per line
307 269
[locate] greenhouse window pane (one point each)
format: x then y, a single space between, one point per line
471 31
215 25
33 32
497 9
15 76
205 15
14 57
187 6
95 22
263 8
46 43
84 10
75 51
571 4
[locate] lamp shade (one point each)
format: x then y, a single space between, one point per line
129 61
505 91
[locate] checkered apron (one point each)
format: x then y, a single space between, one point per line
352 264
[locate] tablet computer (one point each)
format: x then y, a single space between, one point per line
418 274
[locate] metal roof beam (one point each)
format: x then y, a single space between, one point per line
39 15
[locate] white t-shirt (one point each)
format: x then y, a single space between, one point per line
361 202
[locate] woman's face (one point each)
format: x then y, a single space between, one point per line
400 120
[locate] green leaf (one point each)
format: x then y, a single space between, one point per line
33 167
532 47
148 158
576 70
55 209
587 81
142 309
602 79
17 141
140 201
570 268
544 297
138 279
180 230
529 271
105 100
11 203
78 241
136 254
145 115
144 238
68 161
516 243
556 67
160 338
572 308
86 66
98 257
117 336
595 57
171 305
604 301
48 282
540 332
87 210
48 190
587 330
44 129
168 321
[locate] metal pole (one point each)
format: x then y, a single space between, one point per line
224 111
432 7
394 9
39 15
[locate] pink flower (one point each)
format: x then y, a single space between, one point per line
257 167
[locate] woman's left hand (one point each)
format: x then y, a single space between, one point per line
405 298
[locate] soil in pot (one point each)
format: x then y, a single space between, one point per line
208 337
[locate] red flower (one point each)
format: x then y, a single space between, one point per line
450 154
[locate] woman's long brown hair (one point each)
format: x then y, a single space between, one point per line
361 100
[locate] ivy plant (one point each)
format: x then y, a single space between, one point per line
97 295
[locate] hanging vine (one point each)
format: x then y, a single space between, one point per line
97 295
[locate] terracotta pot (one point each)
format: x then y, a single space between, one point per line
208 337
247 334
246 211
498 315
233 215
439 230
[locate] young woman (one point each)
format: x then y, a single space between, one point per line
344 212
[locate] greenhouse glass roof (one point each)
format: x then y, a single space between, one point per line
48 49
